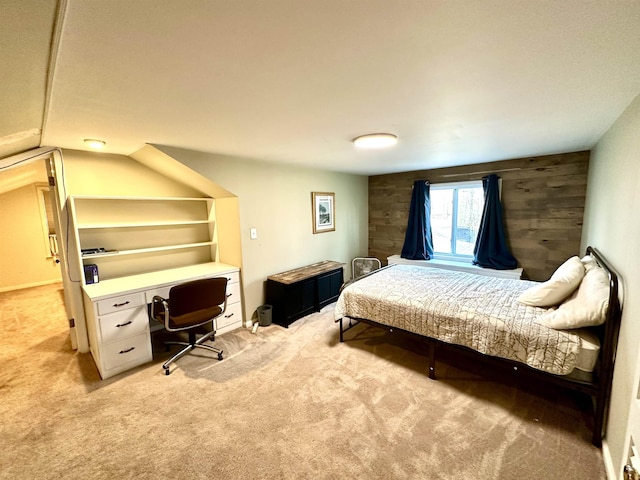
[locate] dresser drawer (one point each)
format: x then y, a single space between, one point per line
128 350
233 293
123 302
125 323
233 314
161 292
232 277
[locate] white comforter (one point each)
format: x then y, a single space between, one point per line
476 311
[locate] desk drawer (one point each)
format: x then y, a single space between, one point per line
123 302
233 314
125 323
233 293
128 350
161 291
232 277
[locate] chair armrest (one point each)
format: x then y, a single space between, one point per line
165 306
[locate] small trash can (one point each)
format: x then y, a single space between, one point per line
264 315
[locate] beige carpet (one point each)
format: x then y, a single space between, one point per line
284 404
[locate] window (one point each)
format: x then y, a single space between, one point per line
456 210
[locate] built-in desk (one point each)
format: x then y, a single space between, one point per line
117 312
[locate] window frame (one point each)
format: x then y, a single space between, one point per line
455 186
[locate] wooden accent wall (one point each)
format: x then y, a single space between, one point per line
542 198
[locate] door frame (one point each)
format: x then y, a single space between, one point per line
69 261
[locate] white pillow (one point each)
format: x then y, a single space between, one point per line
587 307
562 283
589 262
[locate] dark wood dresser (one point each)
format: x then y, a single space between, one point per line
301 291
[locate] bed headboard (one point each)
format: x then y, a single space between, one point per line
608 332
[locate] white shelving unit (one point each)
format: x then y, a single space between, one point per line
144 234
147 245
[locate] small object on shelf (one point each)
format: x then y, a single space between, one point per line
92 251
97 254
91 274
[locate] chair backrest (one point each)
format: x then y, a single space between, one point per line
197 295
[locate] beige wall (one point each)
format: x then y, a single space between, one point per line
276 200
88 173
22 241
612 224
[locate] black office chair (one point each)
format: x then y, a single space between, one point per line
191 305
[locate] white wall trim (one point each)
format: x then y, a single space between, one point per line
29 285
514 274
608 463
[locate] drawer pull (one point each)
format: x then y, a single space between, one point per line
229 294
124 324
127 350
116 305
229 316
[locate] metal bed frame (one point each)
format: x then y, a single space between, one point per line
596 384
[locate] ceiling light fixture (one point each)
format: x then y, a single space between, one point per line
94 143
375 140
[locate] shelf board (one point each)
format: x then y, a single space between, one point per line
146 199
139 251
97 226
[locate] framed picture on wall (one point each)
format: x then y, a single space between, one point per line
324 212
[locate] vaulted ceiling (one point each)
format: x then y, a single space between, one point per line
26 34
295 81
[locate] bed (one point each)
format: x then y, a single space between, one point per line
501 320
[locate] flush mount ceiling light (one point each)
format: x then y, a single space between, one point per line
375 140
94 143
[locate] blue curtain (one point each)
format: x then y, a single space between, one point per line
491 249
418 241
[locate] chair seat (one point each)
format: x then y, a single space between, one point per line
191 305
193 318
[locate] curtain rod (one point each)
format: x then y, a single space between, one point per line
486 171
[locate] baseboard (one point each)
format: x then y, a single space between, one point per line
609 468
29 285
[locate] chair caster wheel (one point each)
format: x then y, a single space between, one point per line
220 356
167 372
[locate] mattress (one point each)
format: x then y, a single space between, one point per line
475 311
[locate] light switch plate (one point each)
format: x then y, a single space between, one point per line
254 233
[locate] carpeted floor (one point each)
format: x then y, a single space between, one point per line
283 404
